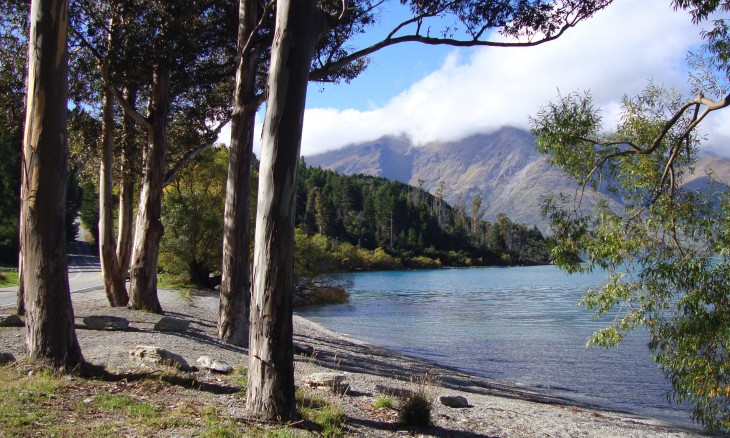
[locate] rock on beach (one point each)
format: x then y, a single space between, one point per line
454 401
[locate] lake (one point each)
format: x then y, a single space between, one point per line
520 325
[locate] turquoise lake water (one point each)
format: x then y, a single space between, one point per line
519 325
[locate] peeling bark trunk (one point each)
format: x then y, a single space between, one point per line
116 293
20 298
20 301
50 332
299 24
126 189
148 229
235 295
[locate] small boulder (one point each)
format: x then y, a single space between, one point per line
217 366
106 322
393 391
11 321
169 324
158 356
6 358
330 380
454 401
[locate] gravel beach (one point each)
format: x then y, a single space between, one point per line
494 409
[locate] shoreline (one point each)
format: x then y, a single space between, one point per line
454 379
479 382
495 409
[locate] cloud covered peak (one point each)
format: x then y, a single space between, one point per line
616 53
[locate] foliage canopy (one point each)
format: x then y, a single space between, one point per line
665 249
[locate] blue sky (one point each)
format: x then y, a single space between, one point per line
443 94
391 71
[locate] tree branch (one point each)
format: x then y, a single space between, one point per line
710 105
322 73
258 26
128 109
170 176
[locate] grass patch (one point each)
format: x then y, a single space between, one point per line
383 403
142 411
37 401
240 379
8 278
329 417
27 400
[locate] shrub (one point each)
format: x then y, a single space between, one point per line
317 295
415 410
421 262
380 260
349 257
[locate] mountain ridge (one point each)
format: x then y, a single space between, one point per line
502 167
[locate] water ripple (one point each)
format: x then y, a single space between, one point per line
519 325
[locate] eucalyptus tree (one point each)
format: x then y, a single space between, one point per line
50 332
666 248
114 281
184 50
255 34
13 68
129 169
252 48
103 49
271 388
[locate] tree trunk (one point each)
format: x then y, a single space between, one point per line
199 274
20 299
116 293
235 295
149 229
50 332
299 24
126 189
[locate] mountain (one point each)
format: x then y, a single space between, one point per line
501 167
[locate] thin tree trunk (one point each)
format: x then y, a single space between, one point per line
116 293
148 229
20 300
235 296
299 24
126 189
50 332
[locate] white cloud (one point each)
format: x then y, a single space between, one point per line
615 53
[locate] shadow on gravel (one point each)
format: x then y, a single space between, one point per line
96 372
204 338
427 431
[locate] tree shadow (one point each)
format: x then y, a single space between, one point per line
98 372
428 431
343 355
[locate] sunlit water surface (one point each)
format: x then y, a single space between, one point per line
519 325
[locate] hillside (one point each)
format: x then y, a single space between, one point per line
502 167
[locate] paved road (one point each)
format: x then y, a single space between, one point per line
84 274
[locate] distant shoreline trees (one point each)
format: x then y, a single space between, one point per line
407 222
360 211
